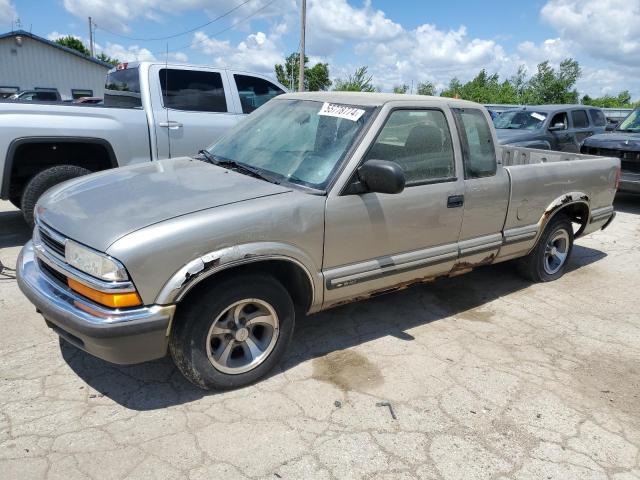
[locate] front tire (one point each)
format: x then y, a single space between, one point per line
548 260
232 333
42 182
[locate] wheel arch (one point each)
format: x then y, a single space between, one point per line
19 145
575 205
294 273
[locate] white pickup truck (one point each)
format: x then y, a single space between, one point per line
151 111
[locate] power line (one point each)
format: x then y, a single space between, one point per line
151 39
219 32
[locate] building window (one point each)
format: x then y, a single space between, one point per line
79 93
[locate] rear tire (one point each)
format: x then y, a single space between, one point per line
42 182
548 260
233 332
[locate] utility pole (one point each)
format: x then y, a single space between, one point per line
91 37
303 17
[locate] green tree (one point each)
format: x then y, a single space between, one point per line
401 89
622 100
315 78
107 59
74 43
359 81
453 89
551 86
426 88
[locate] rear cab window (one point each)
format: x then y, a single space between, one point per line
122 88
193 90
478 150
597 117
580 119
254 91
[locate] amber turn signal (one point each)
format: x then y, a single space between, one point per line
113 300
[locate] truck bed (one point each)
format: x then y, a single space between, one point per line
542 179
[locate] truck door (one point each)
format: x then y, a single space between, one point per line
563 136
374 241
581 126
486 190
191 108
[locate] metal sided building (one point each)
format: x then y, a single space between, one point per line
29 62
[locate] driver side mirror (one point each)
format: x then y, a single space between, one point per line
381 176
558 126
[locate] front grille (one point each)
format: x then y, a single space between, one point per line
51 243
52 273
630 160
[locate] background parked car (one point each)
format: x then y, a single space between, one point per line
151 111
549 127
91 100
623 143
37 95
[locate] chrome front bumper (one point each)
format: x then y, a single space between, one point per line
123 336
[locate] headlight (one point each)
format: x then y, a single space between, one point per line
93 263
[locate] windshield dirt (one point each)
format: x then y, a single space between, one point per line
520 120
299 141
631 123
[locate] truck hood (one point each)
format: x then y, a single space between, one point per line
615 141
98 209
508 135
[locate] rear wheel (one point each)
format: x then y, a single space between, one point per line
548 260
42 182
233 333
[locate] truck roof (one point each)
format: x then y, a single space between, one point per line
373 99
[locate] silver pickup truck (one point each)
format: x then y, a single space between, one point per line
317 199
151 111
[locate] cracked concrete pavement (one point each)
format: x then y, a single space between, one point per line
489 377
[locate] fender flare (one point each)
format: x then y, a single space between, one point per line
559 204
209 264
18 142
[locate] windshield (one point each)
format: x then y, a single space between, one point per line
520 119
631 123
299 141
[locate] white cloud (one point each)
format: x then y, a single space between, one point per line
330 23
8 12
258 52
131 53
178 57
604 29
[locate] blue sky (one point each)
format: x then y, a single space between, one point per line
401 41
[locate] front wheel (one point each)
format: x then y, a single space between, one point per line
548 260
233 333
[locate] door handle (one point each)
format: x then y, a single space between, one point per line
171 125
455 201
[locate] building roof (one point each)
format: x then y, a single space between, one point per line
24 33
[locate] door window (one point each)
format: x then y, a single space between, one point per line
195 91
580 119
478 151
420 142
597 117
559 118
255 92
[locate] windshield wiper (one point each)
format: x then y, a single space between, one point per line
628 130
232 164
242 168
207 156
